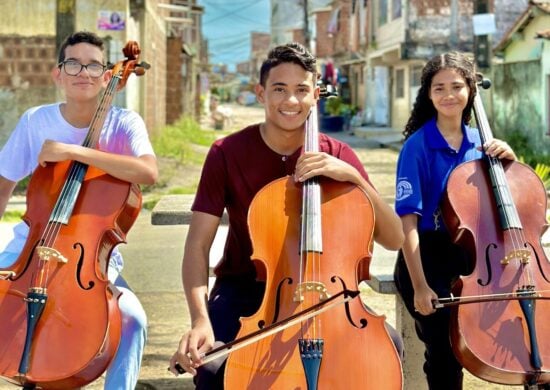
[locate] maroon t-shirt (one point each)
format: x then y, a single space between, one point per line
236 168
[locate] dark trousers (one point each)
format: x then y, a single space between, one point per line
442 262
228 302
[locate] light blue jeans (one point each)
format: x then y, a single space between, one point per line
123 372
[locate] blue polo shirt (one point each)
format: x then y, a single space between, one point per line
423 168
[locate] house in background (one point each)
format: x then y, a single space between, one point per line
521 82
31 30
403 35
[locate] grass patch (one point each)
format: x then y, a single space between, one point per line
182 190
150 202
178 141
12 216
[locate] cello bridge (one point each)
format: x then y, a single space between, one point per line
523 255
46 254
311 287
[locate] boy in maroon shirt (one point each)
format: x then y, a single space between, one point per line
236 168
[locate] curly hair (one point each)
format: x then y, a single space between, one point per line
79 37
423 108
291 52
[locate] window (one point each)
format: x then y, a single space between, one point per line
400 83
396 9
416 75
383 12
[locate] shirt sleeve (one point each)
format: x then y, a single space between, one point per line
125 133
408 191
211 192
139 138
16 157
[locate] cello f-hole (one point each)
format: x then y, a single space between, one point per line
91 284
488 266
539 264
289 281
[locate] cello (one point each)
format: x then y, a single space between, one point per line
501 314
313 241
59 318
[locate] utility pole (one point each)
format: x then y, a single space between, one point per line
454 25
307 37
481 42
64 20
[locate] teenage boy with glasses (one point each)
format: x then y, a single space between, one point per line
55 132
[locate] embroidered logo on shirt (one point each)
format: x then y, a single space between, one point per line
403 190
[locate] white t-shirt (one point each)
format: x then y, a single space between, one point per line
124 132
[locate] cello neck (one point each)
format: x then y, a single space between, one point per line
92 138
508 215
311 195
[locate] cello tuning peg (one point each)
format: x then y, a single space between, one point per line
144 65
483 82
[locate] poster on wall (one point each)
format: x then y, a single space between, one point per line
111 20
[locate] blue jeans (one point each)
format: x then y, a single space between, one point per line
123 372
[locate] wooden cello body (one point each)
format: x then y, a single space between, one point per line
60 325
344 347
496 210
79 330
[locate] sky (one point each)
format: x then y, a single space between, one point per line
227 25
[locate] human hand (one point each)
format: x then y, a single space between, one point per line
499 149
424 300
53 151
192 347
312 164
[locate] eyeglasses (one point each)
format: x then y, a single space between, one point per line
73 68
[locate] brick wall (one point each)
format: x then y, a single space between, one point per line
342 38
298 36
323 42
26 60
173 89
25 81
260 41
153 44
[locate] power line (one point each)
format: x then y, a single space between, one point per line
229 13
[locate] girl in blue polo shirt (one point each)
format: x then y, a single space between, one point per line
438 139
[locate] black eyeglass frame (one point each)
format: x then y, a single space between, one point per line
82 66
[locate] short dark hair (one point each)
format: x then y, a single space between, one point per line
79 37
291 52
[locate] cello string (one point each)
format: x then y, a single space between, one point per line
53 227
499 180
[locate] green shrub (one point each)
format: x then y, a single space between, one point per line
176 141
336 107
520 144
543 171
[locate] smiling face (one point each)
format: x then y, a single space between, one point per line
449 93
288 95
81 87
